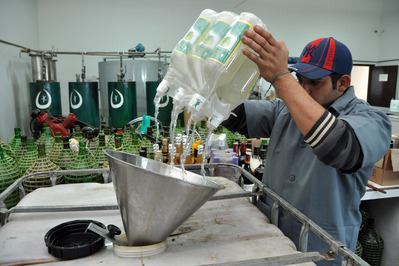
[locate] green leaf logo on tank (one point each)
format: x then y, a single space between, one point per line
230 42
193 35
215 34
116 99
76 99
43 99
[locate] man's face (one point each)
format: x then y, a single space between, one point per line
321 90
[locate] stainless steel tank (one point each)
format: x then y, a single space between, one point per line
138 70
43 68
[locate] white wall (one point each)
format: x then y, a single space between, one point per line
102 25
386 215
18 24
360 80
389 35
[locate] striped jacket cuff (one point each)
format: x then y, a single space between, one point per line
321 129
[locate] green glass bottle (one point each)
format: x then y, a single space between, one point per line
42 164
22 148
9 154
359 249
8 174
78 134
109 137
83 161
66 156
46 138
56 148
127 134
134 145
12 160
125 145
102 126
98 155
144 141
93 146
16 140
372 244
29 157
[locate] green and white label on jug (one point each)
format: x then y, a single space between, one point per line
215 34
193 35
230 42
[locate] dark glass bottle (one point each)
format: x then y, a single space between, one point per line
236 148
255 159
144 148
42 164
125 146
247 166
166 133
8 174
118 143
260 169
241 159
165 150
249 144
143 153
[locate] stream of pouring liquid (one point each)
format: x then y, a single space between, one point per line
190 139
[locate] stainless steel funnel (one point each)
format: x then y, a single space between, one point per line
153 197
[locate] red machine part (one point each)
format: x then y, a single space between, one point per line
55 124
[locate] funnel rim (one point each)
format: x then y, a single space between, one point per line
210 183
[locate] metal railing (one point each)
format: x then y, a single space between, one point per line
230 171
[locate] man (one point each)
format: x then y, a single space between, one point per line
324 141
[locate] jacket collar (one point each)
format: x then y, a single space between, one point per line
342 102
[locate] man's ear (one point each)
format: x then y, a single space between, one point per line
343 83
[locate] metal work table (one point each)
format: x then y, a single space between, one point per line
227 230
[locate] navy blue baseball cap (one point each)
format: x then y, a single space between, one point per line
323 57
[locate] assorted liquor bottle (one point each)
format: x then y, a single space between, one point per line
24 155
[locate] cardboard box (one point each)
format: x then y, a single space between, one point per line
386 171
